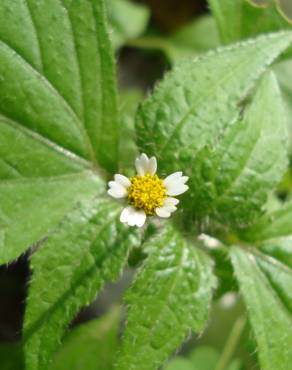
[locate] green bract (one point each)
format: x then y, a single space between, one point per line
218 117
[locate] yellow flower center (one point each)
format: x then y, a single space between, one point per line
146 192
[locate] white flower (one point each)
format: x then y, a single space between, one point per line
147 194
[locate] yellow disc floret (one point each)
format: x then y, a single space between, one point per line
147 192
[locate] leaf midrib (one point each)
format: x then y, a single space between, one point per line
242 168
170 290
46 179
73 287
265 281
181 122
264 278
45 141
75 118
81 83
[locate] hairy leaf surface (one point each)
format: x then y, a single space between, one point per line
272 225
57 76
280 249
235 177
170 297
31 208
197 100
265 288
58 114
90 247
202 358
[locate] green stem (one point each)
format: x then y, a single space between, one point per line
231 344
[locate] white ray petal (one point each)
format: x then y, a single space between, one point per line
184 179
133 216
117 185
136 217
170 208
115 193
171 201
176 189
116 190
162 212
140 217
125 214
123 180
173 177
141 164
152 166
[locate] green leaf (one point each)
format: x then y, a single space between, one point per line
240 19
198 99
247 163
58 114
279 275
170 297
127 20
270 315
57 75
90 346
90 247
272 225
31 208
280 249
283 71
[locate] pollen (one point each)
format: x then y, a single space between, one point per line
147 192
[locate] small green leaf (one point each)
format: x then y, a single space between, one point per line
90 247
127 20
197 100
271 226
247 163
240 19
90 346
270 316
170 297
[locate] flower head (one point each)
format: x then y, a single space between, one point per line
147 194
